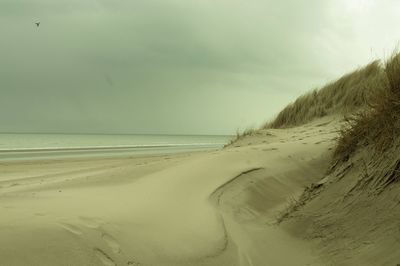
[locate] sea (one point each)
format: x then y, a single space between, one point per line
57 146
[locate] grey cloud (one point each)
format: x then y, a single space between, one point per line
158 66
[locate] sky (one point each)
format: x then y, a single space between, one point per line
177 66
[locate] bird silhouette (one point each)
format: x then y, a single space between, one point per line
37 24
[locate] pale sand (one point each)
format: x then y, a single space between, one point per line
208 208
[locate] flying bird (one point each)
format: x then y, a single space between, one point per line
37 24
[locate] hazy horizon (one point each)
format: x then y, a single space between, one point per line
173 66
110 134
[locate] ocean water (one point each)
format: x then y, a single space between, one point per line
47 146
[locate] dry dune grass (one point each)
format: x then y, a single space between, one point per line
352 213
241 135
372 135
370 100
346 95
342 96
379 123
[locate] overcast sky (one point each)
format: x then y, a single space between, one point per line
177 66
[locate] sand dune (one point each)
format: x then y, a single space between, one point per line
207 208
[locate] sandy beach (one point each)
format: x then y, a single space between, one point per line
203 208
199 133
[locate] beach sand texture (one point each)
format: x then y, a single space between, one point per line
206 208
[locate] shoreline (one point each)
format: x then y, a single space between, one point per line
50 154
144 146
